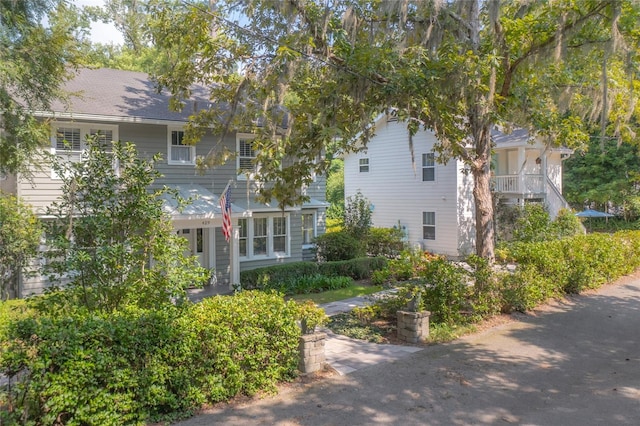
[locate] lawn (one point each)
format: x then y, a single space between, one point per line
340 294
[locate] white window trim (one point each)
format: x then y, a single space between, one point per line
434 226
271 254
314 214
243 175
171 162
361 165
428 167
85 130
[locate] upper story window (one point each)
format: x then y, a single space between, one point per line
429 225
246 159
428 167
364 165
179 153
69 140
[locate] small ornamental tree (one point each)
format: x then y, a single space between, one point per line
20 233
110 243
357 216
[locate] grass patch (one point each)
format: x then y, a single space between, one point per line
339 294
442 333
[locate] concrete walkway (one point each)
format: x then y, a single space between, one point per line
347 355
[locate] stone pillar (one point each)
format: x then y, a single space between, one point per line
312 357
413 327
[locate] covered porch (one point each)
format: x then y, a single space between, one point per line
199 221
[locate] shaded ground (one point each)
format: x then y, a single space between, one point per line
575 362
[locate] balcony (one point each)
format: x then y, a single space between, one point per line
519 184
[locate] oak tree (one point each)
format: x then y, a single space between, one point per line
302 75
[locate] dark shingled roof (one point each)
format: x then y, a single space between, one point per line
120 93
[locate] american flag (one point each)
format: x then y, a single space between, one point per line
225 206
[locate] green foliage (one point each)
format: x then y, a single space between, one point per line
137 366
335 189
309 284
339 246
582 262
335 225
294 278
357 216
525 289
20 233
566 224
409 264
271 275
39 52
606 174
11 311
381 277
533 223
446 292
385 242
350 325
110 242
357 269
334 71
486 299
310 316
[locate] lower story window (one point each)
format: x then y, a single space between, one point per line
243 232
308 228
263 236
280 234
260 236
429 225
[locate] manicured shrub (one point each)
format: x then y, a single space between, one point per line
445 292
525 289
581 262
311 284
385 242
357 269
272 275
135 366
339 246
486 298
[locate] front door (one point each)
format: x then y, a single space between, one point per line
196 245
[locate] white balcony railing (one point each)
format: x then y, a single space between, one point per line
517 184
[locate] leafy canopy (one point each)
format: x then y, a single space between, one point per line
457 68
35 60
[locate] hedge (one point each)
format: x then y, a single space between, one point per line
138 366
270 276
581 262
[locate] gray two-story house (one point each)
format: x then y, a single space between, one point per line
125 105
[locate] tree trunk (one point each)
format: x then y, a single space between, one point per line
483 198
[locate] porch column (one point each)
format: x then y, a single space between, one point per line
234 259
522 158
